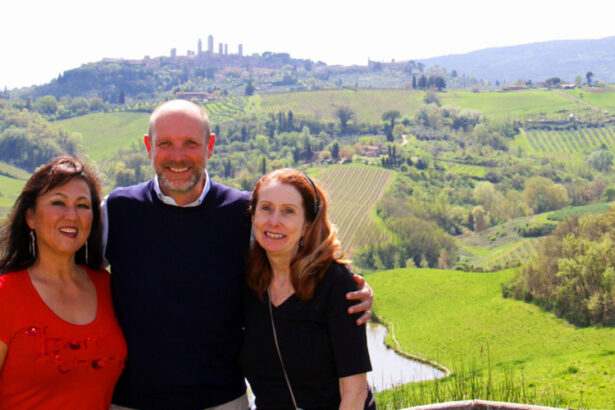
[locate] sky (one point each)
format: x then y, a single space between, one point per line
40 39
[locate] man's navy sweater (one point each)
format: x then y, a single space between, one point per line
177 277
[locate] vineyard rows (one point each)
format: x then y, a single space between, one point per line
571 141
353 191
520 252
366 105
226 109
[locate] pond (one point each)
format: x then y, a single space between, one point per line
391 369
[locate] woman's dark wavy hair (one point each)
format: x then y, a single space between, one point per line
320 244
16 234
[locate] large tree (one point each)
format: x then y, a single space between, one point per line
344 114
541 194
391 116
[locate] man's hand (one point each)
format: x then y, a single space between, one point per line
365 295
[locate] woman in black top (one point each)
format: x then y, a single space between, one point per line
301 348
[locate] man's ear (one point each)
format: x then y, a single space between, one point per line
148 145
210 145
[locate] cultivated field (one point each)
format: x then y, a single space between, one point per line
231 108
460 319
367 105
353 191
575 141
522 105
509 254
104 134
603 98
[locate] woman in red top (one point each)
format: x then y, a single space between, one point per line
60 344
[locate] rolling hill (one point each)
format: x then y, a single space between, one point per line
536 61
460 319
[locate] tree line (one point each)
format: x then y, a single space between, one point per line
27 140
574 273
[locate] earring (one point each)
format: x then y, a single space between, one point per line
301 242
32 244
86 252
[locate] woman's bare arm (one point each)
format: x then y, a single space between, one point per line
353 391
3 351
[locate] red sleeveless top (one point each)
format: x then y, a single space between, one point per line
53 364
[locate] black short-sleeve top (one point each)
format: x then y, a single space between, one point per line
319 341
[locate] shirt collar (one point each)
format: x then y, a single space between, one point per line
170 201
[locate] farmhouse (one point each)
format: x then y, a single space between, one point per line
372 151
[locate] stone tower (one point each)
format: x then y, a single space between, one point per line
210 44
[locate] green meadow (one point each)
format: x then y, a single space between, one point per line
458 318
603 98
475 171
511 105
10 188
367 105
104 134
12 180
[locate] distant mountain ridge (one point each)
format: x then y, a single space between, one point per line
536 61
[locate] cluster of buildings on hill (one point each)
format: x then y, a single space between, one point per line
201 58
222 49
205 56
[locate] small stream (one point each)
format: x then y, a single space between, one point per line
389 368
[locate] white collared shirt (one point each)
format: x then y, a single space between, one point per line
170 201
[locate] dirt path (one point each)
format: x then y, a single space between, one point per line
575 99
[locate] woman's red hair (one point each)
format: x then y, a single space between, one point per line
320 244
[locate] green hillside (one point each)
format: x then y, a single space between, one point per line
603 98
12 180
367 105
571 142
523 104
456 318
104 133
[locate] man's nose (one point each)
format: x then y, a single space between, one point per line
178 154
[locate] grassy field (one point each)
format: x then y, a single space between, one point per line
475 171
368 105
9 191
512 105
603 98
455 317
353 191
103 134
12 180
